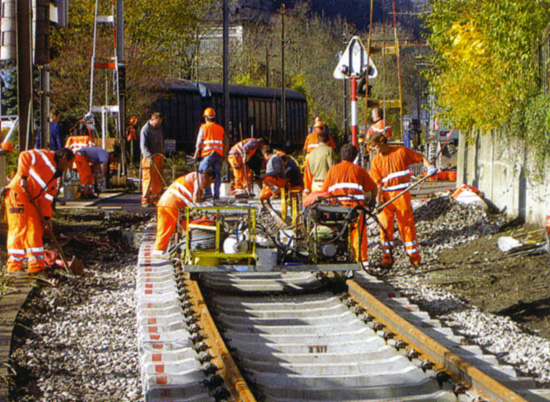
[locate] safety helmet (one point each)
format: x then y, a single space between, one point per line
7 146
318 124
133 120
209 112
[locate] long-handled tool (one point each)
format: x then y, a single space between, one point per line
75 266
381 207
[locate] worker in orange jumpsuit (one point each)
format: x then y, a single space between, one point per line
239 155
151 143
81 137
37 173
355 187
89 160
390 171
184 191
212 146
274 178
379 125
312 143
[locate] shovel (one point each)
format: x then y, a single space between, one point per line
74 266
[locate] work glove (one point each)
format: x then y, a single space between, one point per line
431 170
371 203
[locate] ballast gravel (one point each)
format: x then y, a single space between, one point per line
77 341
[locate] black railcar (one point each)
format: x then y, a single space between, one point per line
255 112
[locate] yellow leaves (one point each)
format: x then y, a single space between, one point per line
468 43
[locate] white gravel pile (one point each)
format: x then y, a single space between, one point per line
80 340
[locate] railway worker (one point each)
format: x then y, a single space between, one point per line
318 120
36 176
379 125
151 143
293 175
80 137
354 182
274 177
89 161
390 171
212 146
239 155
184 191
320 160
312 143
55 132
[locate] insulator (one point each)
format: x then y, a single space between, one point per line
214 381
204 357
442 377
427 365
412 354
210 368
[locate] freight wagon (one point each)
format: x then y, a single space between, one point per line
255 112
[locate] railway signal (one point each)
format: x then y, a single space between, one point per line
354 64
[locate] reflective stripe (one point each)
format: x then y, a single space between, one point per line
16 251
36 250
385 251
312 146
38 179
33 158
398 187
186 192
410 243
180 196
157 253
388 244
12 258
396 174
351 197
380 130
49 197
411 251
46 161
338 186
36 258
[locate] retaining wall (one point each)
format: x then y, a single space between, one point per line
502 169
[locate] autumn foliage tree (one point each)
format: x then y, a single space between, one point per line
485 69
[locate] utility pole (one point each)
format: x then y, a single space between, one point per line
283 84
121 79
24 71
226 106
266 65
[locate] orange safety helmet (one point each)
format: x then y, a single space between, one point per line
7 146
133 120
209 112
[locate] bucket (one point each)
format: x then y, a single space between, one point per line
442 175
451 175
70 190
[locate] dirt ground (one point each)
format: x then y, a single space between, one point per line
482 275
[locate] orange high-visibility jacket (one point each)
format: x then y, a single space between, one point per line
247 147
76 142
180 193
213 139
312 142
349 179
391 171
381 126
38 165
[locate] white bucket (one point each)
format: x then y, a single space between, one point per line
70 190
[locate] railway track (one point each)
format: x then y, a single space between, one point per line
301 337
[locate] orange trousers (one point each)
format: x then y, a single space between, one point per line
86 175
242 173
308 176
167 218
25 231
152 181
272 186
359 242
401 209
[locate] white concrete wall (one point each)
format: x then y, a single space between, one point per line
500 168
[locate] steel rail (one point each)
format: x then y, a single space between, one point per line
442 356
234 380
